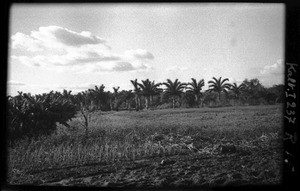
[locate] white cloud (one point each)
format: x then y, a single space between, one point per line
54 37
24 41
139 53
71 38
123 66
274 69
61 49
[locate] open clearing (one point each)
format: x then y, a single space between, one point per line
180 147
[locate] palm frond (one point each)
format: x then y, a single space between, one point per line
224 80
211 82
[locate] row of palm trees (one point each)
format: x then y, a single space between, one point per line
169 91
175 89
27 112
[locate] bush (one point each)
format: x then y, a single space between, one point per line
29 116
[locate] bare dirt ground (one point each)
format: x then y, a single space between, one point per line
239 167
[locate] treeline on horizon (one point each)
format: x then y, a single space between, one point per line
33 115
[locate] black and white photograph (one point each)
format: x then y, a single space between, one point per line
146 95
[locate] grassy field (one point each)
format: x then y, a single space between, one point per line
180 147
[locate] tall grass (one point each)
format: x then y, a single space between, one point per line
131 136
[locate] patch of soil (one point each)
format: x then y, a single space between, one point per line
230 167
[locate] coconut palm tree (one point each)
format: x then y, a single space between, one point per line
174 89
195 89
219 86
137 94
110 96
87 99
80 100
128 96
116 96
154 90
67 95
148 89
98 95
237 89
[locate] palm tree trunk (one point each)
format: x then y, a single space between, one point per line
116 104
137 105
92 105
197 100
139 102
129 105
201 102
173 102
151 100
110 104
96 104
99 105
147 102
235 100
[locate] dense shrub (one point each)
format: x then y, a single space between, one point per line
34 116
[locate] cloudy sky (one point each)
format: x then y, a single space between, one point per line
77 46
